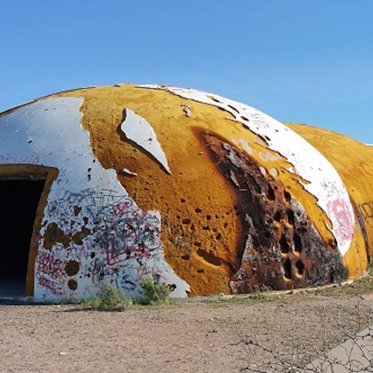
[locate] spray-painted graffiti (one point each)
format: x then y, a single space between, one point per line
122 245
367 210
342 219
50 272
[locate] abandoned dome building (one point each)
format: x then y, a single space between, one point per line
114 184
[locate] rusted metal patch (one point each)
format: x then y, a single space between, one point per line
282 247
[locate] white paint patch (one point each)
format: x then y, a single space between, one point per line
187 110
273 172
126 171
123 244
138 130
324 181
245 146
268 156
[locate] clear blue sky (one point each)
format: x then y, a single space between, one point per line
307 61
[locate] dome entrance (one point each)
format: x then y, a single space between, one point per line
19 200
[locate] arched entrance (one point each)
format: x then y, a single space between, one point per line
23 194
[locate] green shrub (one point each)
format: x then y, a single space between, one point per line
110 299
154 293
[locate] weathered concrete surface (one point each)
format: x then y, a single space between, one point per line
203 193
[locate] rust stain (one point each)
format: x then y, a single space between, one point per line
200 207
72 284
281 247
54 234
72 268
78 237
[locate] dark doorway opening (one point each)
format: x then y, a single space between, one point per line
19 200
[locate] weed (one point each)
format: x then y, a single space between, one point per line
154 293
110 299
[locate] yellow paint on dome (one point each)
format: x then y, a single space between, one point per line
200 225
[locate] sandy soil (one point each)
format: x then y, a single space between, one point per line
215 336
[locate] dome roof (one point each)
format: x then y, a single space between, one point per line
199 191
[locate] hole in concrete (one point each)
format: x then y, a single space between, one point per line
331 277
72 284
277 216
287 196
265 238
72 268
19 200
270 194
287 268
297 243
300 267
284 246
290 215
256 242
302 230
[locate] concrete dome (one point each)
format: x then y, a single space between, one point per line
114 184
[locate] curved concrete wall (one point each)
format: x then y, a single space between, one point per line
201 192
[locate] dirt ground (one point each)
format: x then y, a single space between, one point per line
263 333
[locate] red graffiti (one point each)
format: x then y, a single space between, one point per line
46 263
54 287
50 272
343 223
122 208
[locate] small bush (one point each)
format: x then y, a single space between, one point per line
154 293
110 299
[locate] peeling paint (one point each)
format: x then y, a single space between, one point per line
126 171
80 210
282 248
138 130
243 208
325 183
187 110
